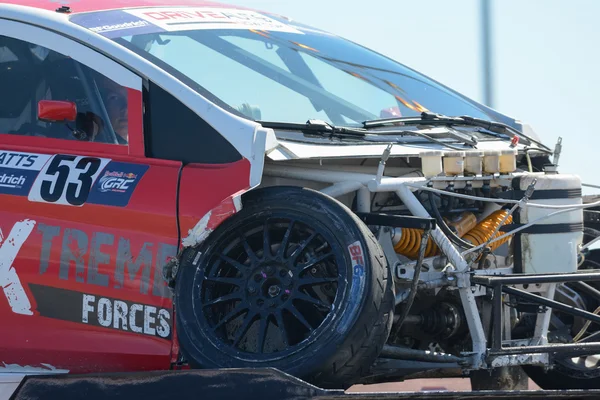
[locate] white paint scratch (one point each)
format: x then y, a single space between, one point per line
199 233
9 280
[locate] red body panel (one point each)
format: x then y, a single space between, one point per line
148 219
81 281
98 5
206 187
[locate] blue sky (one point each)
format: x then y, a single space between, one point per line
546 61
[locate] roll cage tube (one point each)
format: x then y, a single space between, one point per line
96 101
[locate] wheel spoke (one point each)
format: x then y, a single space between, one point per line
310 299
592 361
316 281
286 238
244 328
262 333
291 308
231 315
281 326
253 257
222 279
222 299
266 241
313 262
236 264
301 247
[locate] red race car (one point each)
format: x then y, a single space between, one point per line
197 184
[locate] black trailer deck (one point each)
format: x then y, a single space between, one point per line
234 384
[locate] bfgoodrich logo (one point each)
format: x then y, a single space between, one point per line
117 27
12 181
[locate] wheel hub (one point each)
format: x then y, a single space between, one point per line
269 286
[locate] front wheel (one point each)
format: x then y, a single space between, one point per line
582 372
293 281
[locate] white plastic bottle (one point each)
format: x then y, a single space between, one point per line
491 162
431 162
454 163
508 161
474 162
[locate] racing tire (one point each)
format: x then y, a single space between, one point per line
561 377
294 281
580 372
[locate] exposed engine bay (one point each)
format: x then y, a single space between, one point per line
486 226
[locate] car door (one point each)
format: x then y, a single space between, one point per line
86 219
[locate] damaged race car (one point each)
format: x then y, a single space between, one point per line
189 184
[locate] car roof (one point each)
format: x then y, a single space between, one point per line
78 6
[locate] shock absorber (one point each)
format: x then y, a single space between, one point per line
406 241
484 230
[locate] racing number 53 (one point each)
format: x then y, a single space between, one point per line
67 179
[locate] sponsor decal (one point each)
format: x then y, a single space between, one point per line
18 160
357 283
66 179
186 18
16 181
104 259
9 279
69 180
117 183
114 23
118 27
18 171
106 312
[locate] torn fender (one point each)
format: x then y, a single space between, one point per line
211 220
201 231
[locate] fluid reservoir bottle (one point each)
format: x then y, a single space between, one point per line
508 161
474 163
491 161
454 163
431 162
551 246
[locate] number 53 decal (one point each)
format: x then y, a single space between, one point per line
67 179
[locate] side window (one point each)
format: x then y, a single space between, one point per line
174 132
46 94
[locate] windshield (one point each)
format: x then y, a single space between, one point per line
268 69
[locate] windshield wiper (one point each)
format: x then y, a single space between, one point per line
429 118
327 130
319 128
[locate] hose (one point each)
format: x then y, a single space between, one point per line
585 327
570 207
414 284
442 224
522 227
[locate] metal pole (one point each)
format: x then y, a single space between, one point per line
486 39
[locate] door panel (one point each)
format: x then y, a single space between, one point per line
91 273
86 226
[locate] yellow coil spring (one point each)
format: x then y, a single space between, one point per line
483 231
410 239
